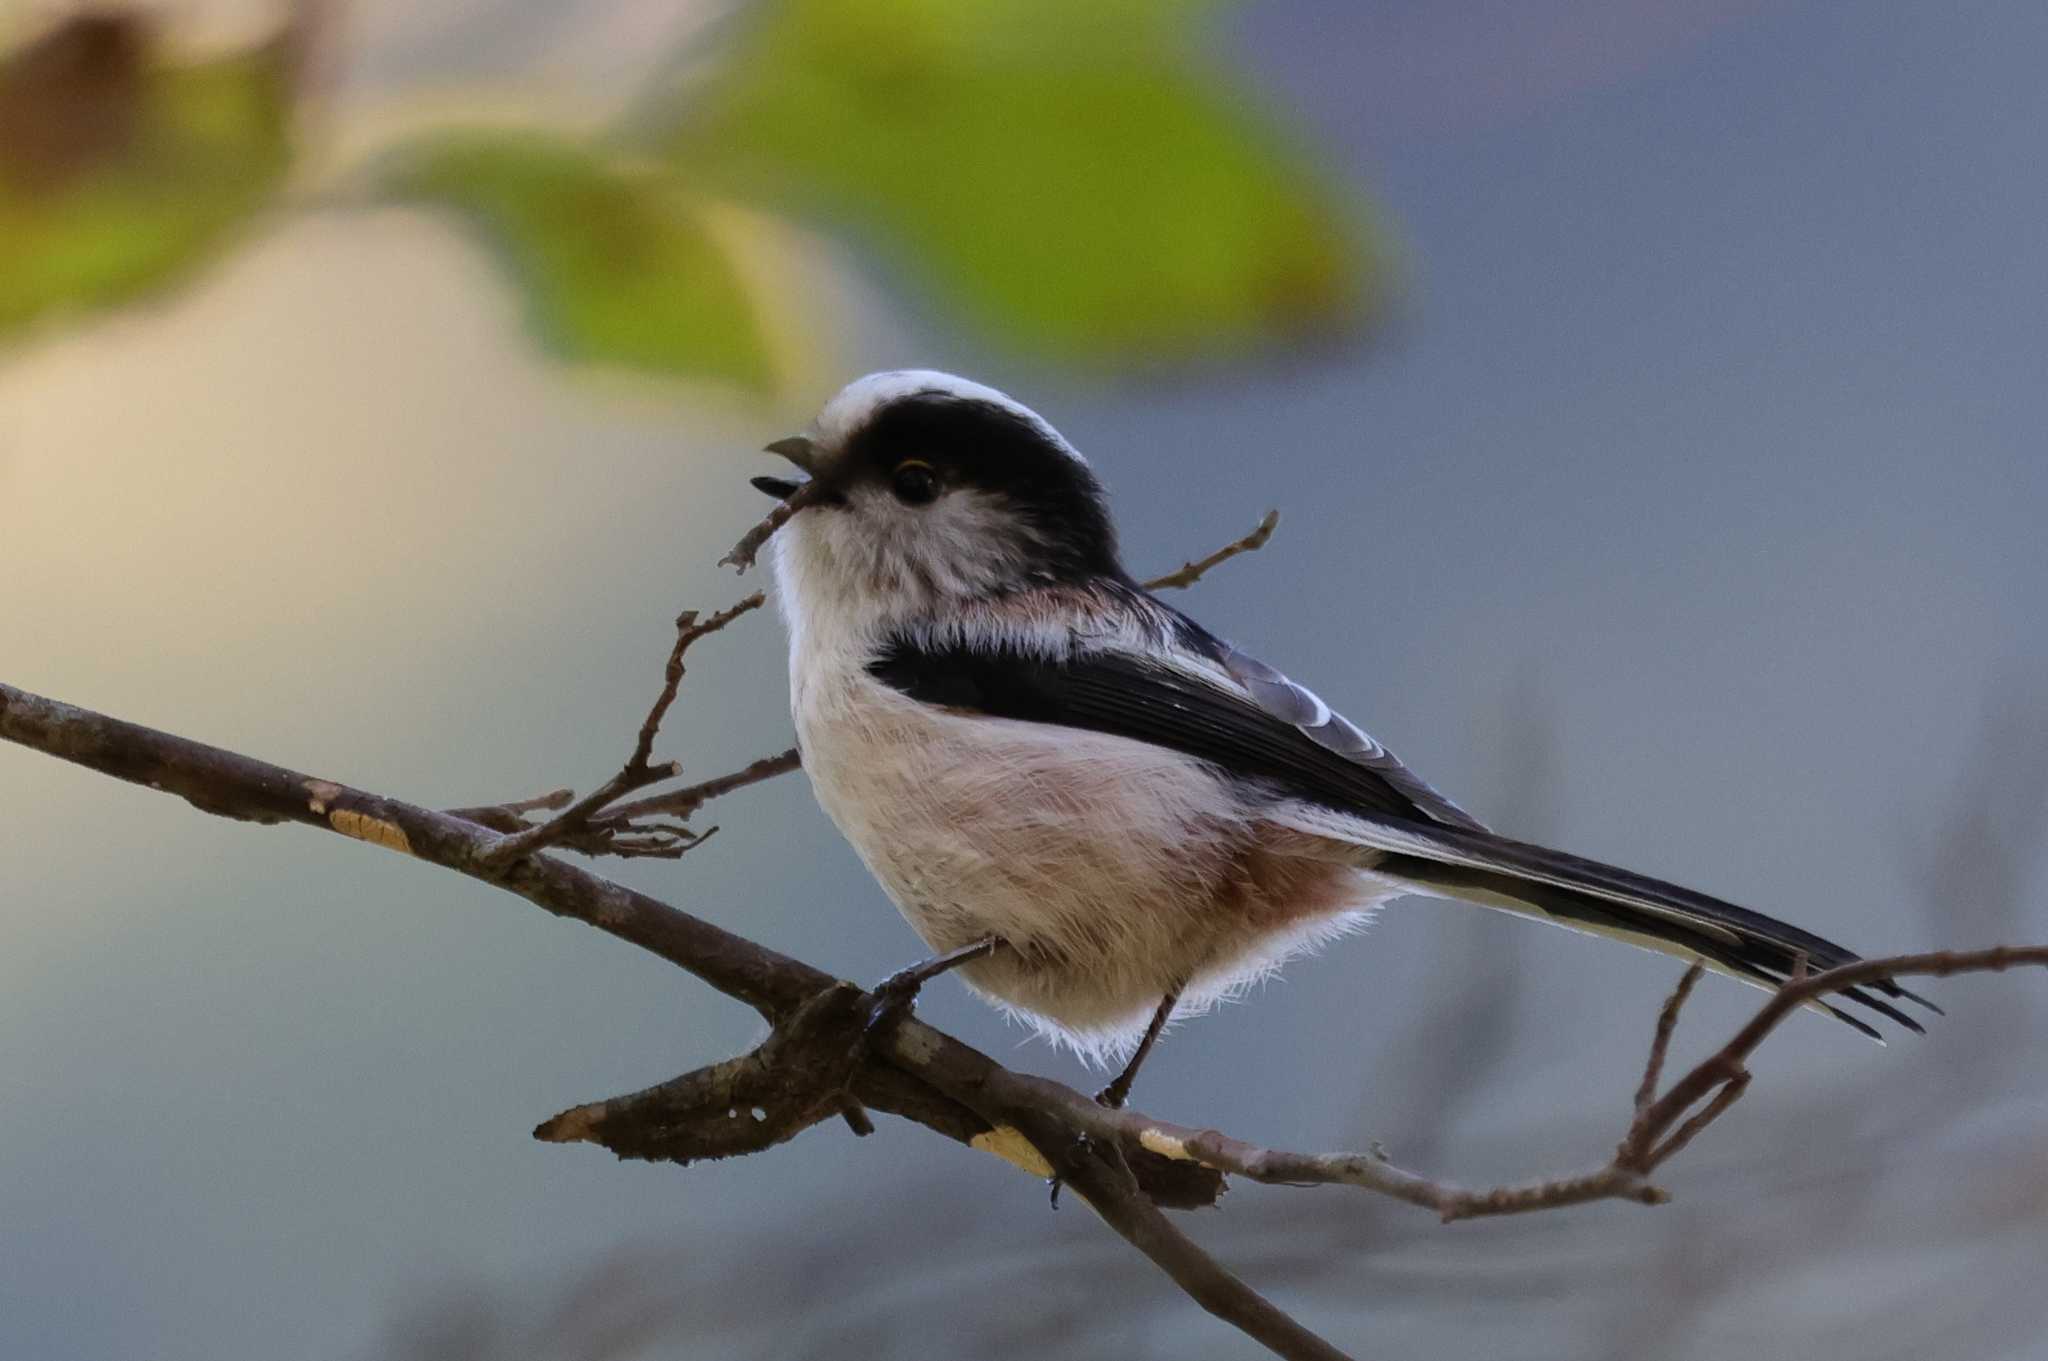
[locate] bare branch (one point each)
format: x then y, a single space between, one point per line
1731 1091
801 1074
1107 1185
564 825
1650 1142
1369 1171
682 802
821 1059
226 784
1078 1141
1191 572
637 772
1727 1064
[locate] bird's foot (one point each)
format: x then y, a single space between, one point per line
895 997
1117 1092
1112 1096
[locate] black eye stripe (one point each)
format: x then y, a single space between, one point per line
991 448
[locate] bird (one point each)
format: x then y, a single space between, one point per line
1099 812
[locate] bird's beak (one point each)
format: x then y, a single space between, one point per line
781 488
799 450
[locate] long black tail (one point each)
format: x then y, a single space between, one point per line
1515 876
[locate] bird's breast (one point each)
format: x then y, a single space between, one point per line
1115 871
966 818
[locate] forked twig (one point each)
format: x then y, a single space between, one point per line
680 803
637 773
1660 1039
1659 1129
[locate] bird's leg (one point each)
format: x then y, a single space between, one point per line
1119 1089
897 994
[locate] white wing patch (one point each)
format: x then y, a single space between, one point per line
1292 702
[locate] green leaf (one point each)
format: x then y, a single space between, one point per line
119 176
614 259
1067 170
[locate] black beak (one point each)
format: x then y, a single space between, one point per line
781 488
799 450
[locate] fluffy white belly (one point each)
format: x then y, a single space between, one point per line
1115 871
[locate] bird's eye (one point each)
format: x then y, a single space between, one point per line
915 482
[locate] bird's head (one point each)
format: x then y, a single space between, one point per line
931 491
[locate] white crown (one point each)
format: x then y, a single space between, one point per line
856 404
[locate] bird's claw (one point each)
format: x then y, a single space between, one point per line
894 998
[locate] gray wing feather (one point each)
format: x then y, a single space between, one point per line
1291 702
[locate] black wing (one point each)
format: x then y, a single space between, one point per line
1278 733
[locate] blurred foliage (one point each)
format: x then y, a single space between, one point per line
614 260
120 172
1064 169
1068 173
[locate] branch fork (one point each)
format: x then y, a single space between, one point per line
576 823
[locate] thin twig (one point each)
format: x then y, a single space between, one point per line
1731 1059
637 772
1370 1171
511 817
1731 1091
682 802
656 842
1660 1040
576 816
742 555
688 631
1191 572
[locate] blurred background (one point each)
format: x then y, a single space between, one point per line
1653 390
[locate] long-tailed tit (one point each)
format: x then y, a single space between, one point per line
1023 744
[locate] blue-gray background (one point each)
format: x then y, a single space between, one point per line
1690 517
